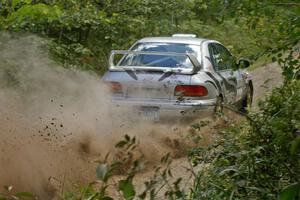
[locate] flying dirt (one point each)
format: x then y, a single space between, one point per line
42 108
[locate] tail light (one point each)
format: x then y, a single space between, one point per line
190 90
115 87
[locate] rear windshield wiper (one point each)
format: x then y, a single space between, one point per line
168 72
131 72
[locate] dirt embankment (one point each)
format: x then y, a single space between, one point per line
55 123
265 79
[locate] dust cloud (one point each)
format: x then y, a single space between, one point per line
55 122
46 112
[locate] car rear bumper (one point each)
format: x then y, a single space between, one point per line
167 109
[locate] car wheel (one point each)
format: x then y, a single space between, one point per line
219 106
247 102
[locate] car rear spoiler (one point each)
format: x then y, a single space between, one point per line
192 58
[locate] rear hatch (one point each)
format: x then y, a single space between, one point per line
151 75
148 85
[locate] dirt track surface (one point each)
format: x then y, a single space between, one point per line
265 79
54 123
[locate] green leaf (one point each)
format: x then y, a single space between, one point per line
93 196
291 192
121 144
127 137
229 169
295 146
101 171
127 188
14 3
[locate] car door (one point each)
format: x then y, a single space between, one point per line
225 66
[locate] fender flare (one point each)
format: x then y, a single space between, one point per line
216 83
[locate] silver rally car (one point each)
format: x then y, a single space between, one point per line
177 76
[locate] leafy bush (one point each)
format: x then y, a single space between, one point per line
77 27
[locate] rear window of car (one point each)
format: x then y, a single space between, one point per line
161 60
167 47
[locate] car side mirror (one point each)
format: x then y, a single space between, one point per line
243 63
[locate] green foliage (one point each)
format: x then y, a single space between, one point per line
256 159
127 188
82 33
291 192
259 159
34 17
96 27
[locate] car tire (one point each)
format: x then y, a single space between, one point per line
247 101
219 108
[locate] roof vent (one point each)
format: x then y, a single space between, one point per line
184 35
